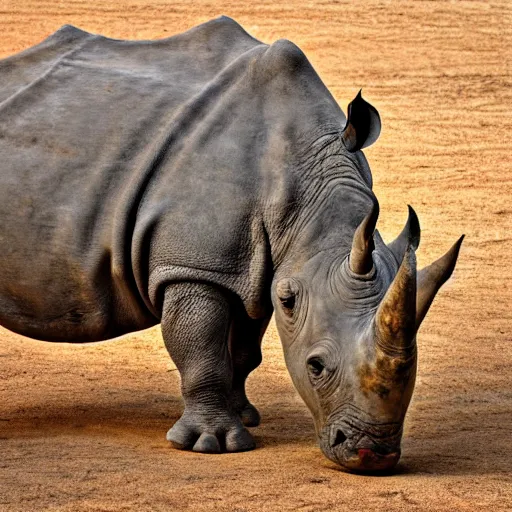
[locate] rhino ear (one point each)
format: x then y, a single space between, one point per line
363 125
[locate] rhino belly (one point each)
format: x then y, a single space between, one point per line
50 296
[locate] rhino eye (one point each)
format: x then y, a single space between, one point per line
315 366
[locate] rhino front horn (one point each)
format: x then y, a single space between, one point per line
395 320
431 278
361 260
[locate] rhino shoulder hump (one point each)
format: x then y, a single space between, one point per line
227 22
222 32
69 32
283 56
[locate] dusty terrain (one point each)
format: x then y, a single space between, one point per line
83 427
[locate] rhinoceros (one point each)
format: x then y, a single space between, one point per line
205 181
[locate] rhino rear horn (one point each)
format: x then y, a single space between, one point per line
361 259
363 125
410 234
431 278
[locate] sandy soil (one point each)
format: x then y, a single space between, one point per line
83 427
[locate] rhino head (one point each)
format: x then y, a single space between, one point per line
348 326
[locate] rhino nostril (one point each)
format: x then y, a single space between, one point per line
340 438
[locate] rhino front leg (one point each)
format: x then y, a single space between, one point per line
195 327
245 345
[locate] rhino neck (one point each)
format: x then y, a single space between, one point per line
317 202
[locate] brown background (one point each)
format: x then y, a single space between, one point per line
83 427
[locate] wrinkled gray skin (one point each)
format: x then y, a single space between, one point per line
202 181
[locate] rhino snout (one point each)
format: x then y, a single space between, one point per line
360 452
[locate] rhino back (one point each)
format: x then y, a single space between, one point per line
83 120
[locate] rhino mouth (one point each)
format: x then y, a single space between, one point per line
362 448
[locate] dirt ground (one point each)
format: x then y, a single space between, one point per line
83 427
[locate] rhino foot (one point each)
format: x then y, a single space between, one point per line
246 411
249 415
187 434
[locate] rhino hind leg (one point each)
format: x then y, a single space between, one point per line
195 326
245 346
